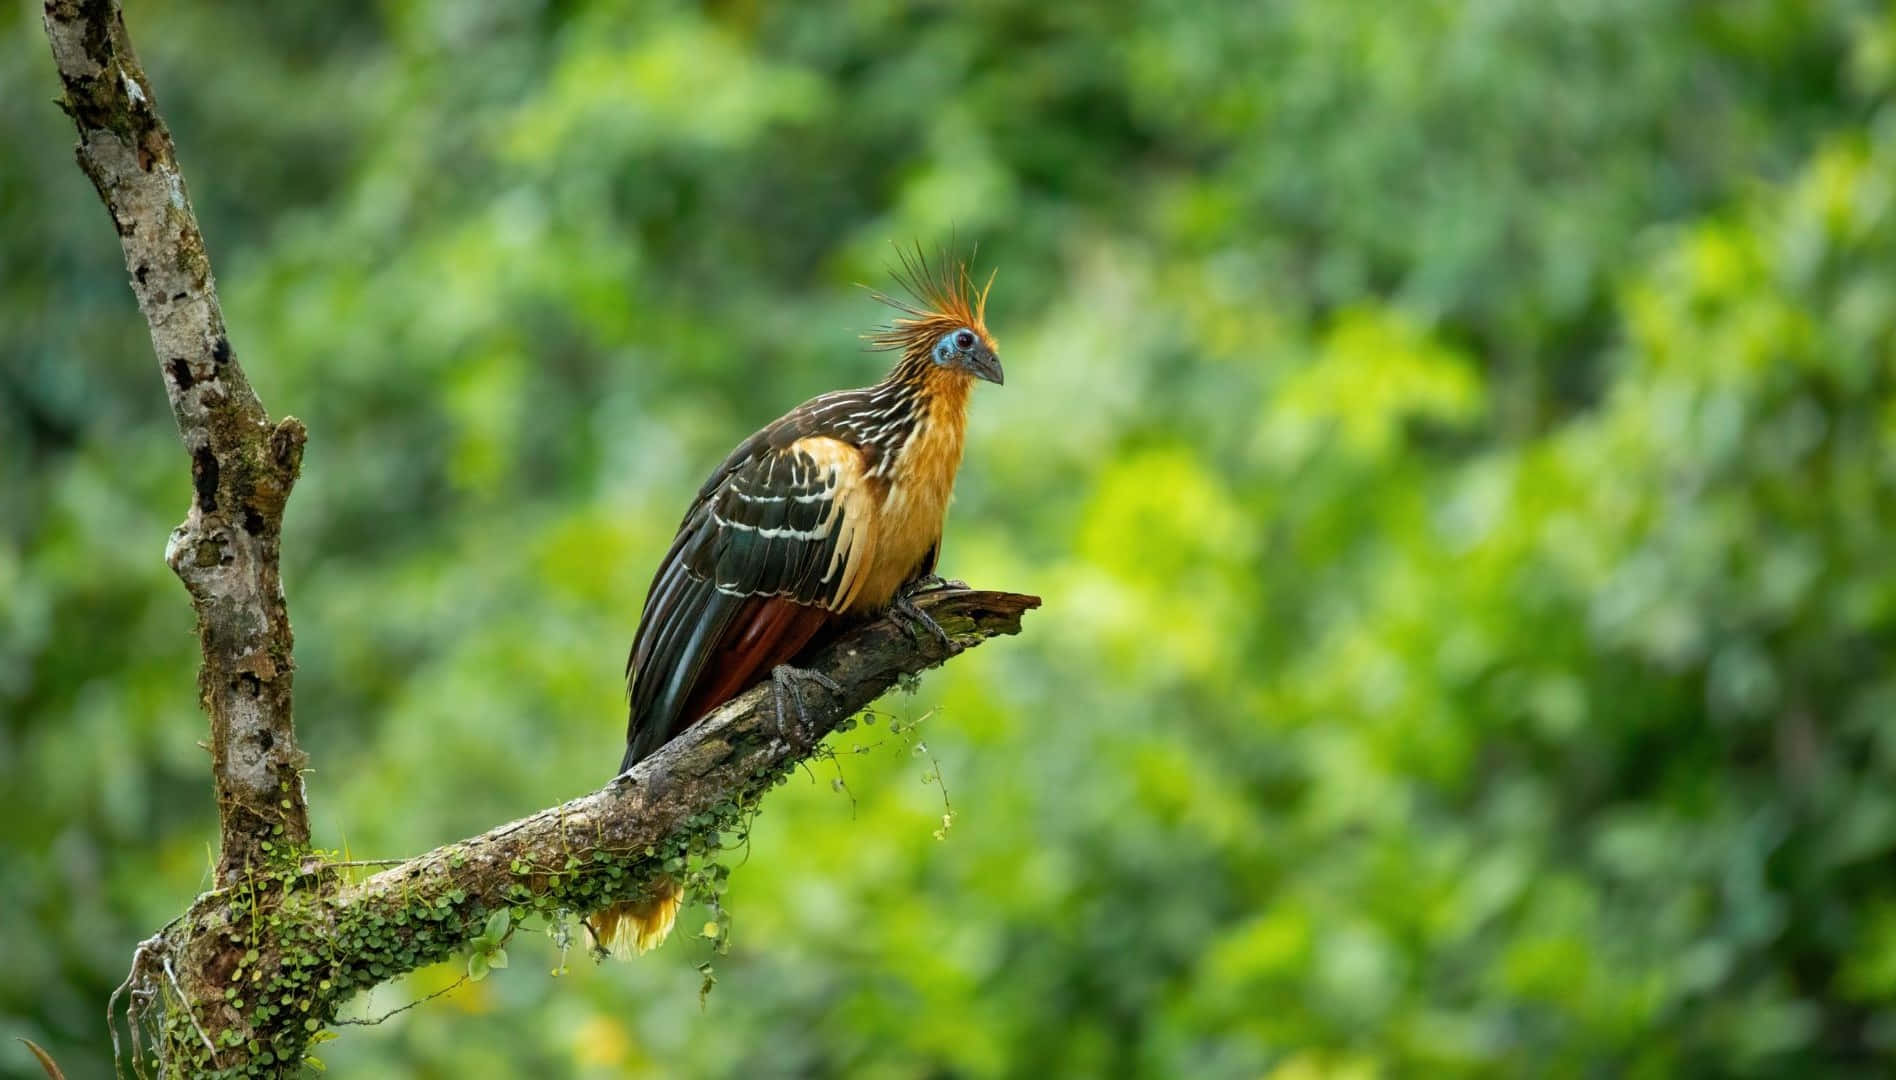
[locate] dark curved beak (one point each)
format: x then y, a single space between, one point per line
983 364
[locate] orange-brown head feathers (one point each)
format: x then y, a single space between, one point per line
943 327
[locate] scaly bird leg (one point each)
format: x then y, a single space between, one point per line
786 683
915 620
931 582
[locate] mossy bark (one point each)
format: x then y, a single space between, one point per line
240 983
266 963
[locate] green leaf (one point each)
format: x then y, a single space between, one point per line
497 926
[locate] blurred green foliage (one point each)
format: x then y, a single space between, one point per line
1456 442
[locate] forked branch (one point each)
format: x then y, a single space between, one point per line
239 982
302 940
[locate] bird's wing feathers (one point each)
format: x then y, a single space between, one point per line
786 520
794 523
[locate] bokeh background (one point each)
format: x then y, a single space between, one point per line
1456 442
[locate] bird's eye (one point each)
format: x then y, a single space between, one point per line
964 341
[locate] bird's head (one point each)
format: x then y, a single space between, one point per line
942 328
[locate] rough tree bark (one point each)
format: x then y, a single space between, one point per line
239 983
242 466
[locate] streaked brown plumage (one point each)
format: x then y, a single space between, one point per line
822 516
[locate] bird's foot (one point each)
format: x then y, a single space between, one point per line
787 684
930 583
913 619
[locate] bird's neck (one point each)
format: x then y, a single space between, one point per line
937 400
933 390
919 477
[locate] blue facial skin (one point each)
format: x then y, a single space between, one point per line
964 349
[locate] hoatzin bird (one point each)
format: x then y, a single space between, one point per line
829 514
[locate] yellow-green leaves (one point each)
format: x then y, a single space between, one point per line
1375 371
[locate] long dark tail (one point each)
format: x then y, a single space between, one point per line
764 632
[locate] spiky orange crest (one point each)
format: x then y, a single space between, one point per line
943 297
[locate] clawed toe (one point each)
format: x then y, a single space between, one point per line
915 620
932 583
785 687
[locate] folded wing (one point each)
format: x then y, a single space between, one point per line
773 548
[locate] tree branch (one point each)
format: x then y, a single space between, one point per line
239 983
729 756
297 942
242 466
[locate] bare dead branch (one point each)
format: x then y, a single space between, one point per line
242 466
